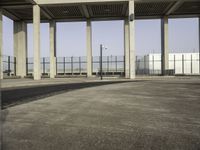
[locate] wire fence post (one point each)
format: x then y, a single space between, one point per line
145 64
174 63
183 64
15 66
64 65
56 66
125 64
27 66
79 65
107 64
136 62
72 65
99 66
92 64
9 66
43 65
101 60
191 65
116 64
153 64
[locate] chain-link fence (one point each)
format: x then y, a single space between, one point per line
9 66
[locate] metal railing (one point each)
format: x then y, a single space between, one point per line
44 65
9 66
111 65
71 66
179 64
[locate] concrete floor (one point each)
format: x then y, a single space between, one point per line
138 115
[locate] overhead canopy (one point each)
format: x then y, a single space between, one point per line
72 10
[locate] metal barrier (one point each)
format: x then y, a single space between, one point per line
9 66
71 66
45 66
179 64
111 65
29 66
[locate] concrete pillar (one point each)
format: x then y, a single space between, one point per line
199 45
126 48
132 39
1 44
89 48
36 42
164 45
52 49
20 47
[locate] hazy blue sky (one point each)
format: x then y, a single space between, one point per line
71 37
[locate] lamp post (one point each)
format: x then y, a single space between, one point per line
101 60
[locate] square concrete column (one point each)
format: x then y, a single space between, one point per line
132 39
164 45
89 48
52 49
20 47
126 48
36 42
1 44
199 45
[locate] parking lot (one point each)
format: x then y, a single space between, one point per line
80 114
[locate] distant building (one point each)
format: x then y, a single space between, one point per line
181 63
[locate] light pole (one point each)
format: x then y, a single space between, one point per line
101 60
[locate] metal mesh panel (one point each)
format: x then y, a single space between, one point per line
29 68
106 10
45 65
153 8
71 65
186 63
188 8
9 66
110 64
65 11
148 65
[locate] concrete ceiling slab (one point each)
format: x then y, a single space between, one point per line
22 9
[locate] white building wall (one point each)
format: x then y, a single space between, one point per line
183 63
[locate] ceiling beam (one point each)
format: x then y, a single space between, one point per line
48 12
10 15
174 7
124 11
43 2
85 11
45 13
31 1
16 6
